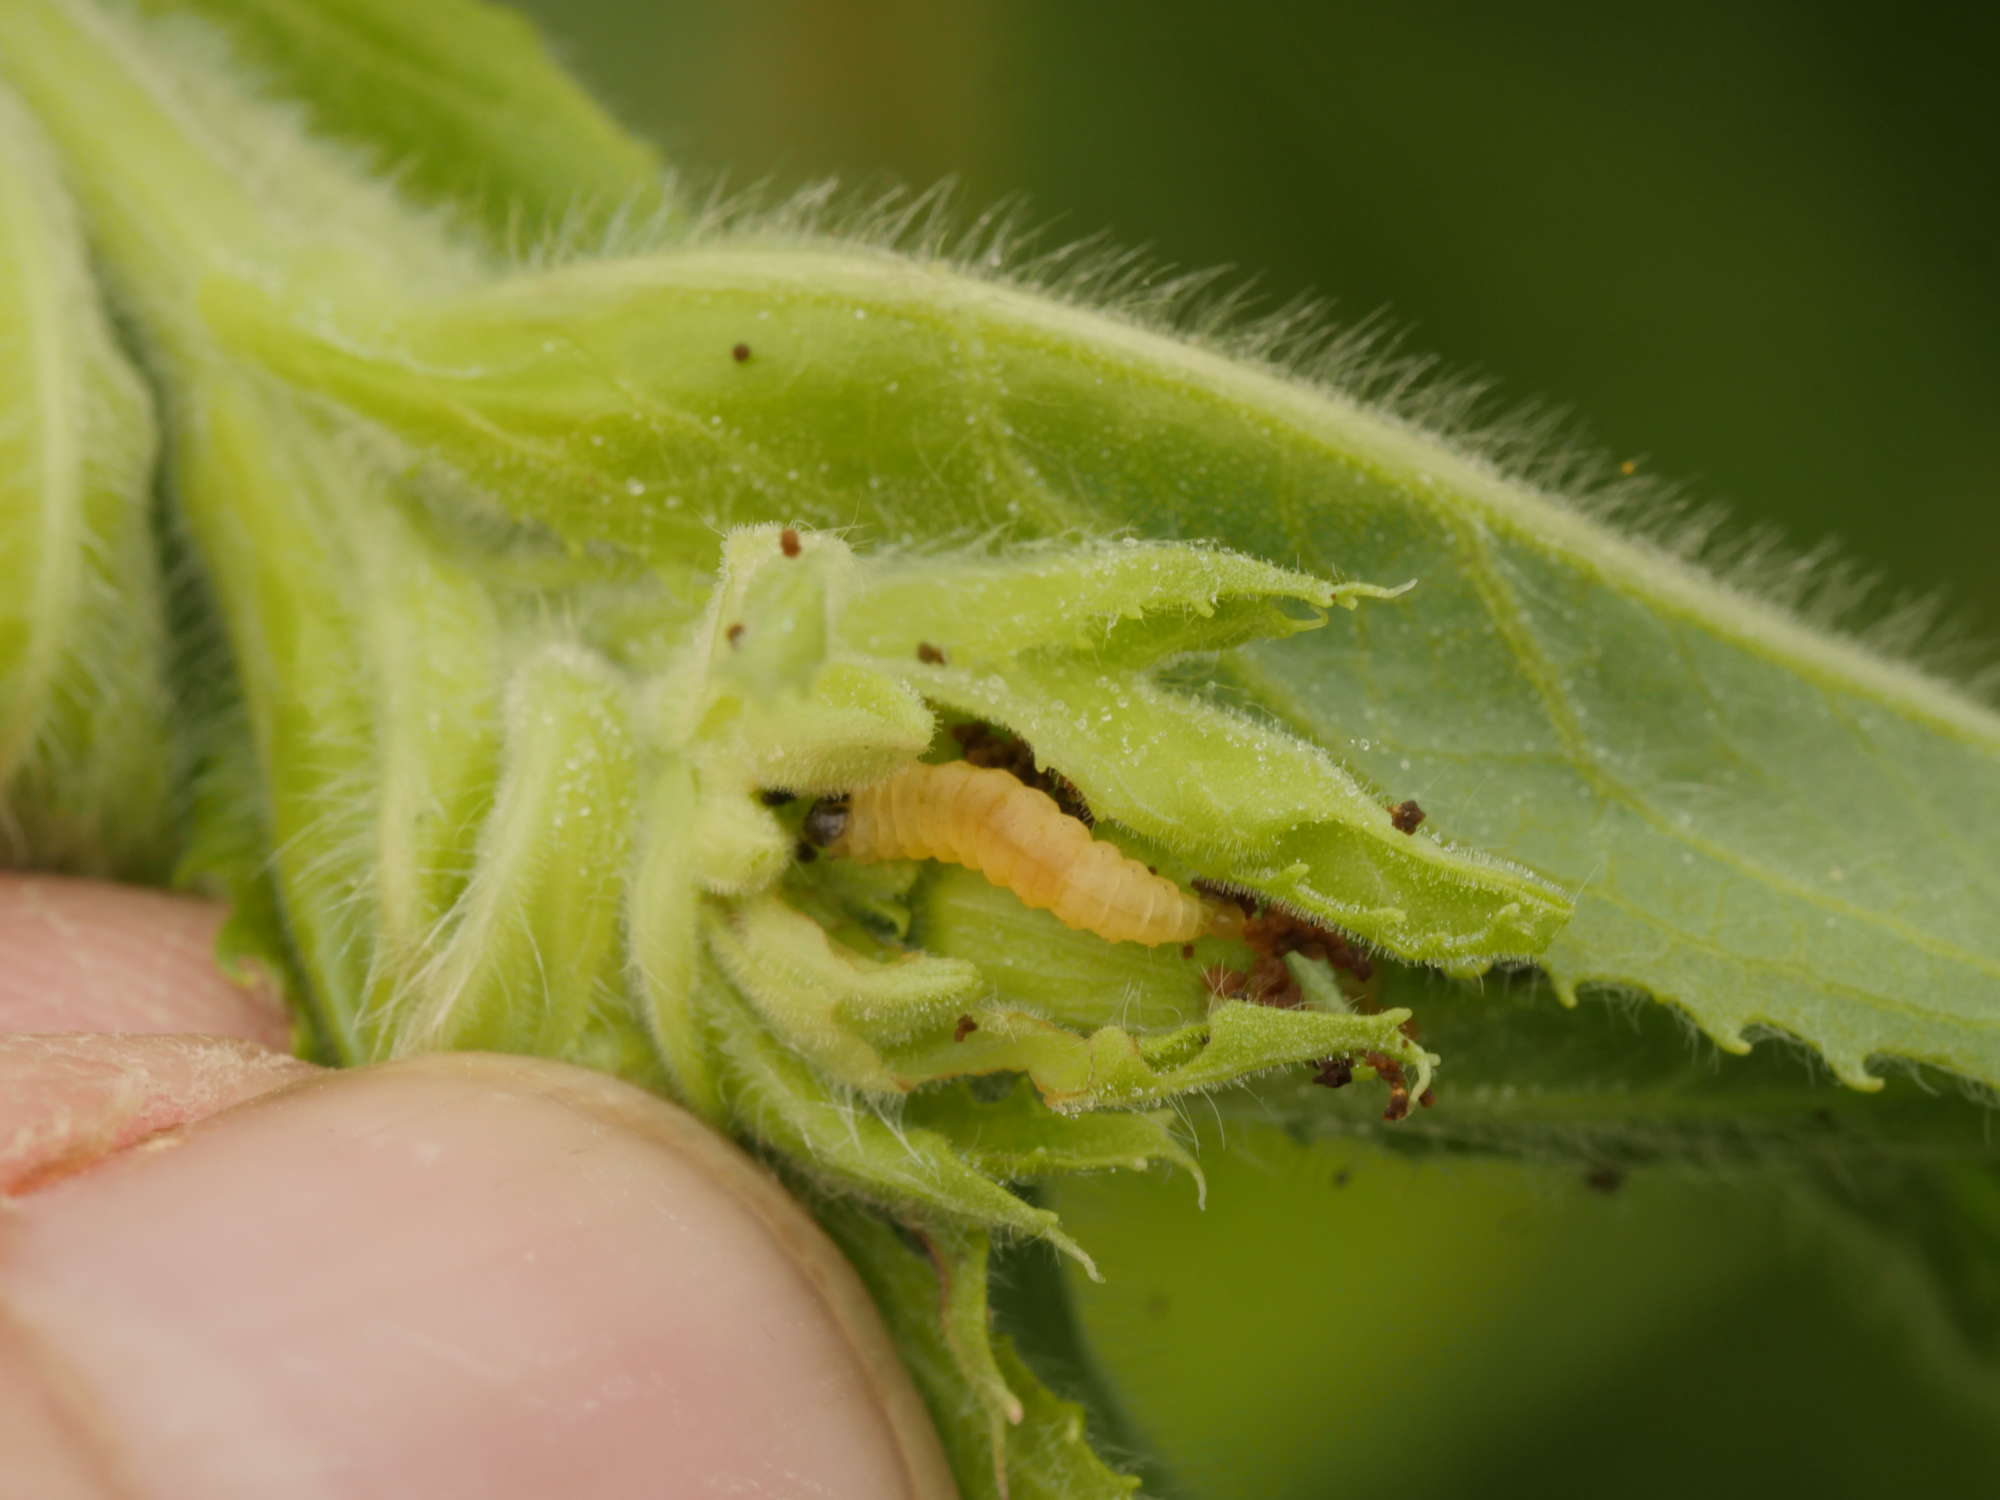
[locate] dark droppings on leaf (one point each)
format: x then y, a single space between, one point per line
1605 1179
986 745
1406 816
1390 1072
826 821
1271 934
965 1027
740 353
788 542
1386 1067
1275 932
930 654
735 633
1334 1073
1187 950
1272 983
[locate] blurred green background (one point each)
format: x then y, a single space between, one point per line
1750 247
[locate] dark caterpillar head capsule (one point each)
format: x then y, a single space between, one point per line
825 822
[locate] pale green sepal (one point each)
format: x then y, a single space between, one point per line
87 764
1242 1038
739 848
431 648
532 958
836 1006
269 500
378 760
854 726
842 1139
1114 1069
1015 1135
1130 601
1047 1456
663 938
768 627
758 690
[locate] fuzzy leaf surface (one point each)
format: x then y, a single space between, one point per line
1769 828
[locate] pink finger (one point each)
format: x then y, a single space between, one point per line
76 955
457 1276
66 1102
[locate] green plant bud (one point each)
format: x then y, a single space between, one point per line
838 1008
668 972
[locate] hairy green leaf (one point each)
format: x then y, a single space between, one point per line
1771 828
456 97
1616 1085
87 767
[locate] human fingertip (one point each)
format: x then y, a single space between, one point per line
465 1276
87 956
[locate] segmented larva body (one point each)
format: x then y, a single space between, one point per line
1016 836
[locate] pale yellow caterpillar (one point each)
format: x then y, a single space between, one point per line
1016 836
